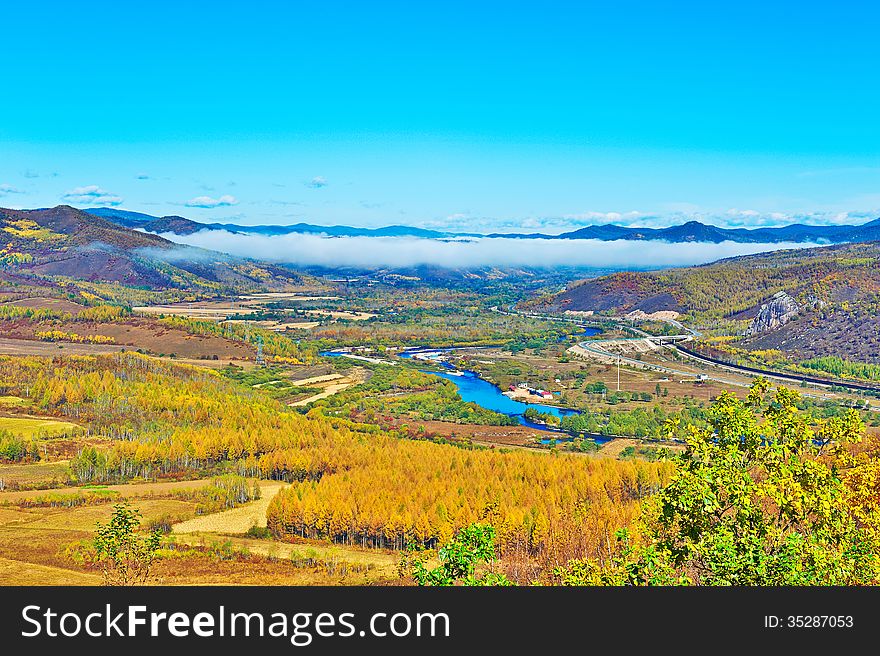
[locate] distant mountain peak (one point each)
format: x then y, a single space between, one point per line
690 231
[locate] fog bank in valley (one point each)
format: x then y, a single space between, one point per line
403 252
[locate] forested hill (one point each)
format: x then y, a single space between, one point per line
63 243
836 289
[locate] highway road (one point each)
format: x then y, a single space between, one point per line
595 347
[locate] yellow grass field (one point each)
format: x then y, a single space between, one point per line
316 379
125 491
14 402
83 518
331 384
35 544
33 473
17 572
343 314
384 563
10 346
235 520
277 326
17 516
32 426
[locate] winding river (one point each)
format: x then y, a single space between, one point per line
476 390
486 395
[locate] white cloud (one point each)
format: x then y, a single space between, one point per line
317 182
603 217
369 252
551 225
91 195
6 190
208 203
735 212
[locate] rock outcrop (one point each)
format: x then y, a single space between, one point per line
774 314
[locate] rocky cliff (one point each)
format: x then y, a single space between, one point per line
774 314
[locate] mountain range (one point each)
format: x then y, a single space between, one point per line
67 244
179 225
692 231
831 293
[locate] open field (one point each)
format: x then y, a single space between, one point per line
14 402
287 296
202 310
13 515
235 520
44 303
209 363
280 319
34 545
17 572
217 310
277 326
316 379
126 491
28 427
384 562
136 333
32 347
331 384
25 550
341 314
83 518
31 474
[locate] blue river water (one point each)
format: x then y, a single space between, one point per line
476 390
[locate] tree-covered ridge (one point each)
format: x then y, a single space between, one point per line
68 246
762 496
835 275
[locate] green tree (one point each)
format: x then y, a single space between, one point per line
124 554
459 558
760 497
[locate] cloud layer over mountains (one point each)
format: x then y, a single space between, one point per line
403 252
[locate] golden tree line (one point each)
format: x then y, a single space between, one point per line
351 484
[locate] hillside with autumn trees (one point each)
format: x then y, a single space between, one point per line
350 483
69 248
836 290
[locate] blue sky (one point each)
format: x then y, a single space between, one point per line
502 116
